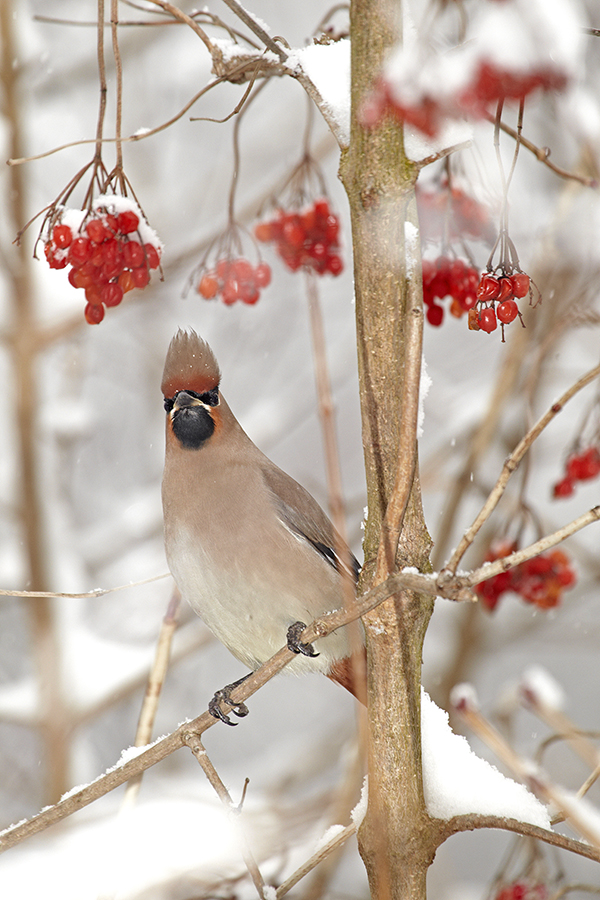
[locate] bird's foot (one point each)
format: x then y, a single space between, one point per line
224 696
295 644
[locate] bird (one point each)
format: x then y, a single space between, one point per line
249 548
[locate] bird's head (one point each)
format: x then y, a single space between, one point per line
190 386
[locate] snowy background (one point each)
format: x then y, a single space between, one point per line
100 454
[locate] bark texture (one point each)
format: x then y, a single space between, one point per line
398 839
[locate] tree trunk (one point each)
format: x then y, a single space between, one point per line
397 839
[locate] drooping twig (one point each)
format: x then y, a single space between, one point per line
154 685
535 780
510 466
192 740
257 28
543 155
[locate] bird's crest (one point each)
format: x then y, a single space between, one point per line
190 364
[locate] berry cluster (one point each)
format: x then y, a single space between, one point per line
234 279
496 300
446 277
110 251
419 85
451 214
539 581
579 467
307 237
523 890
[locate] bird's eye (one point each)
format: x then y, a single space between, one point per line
169 403
211 398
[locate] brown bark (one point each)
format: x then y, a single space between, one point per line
398 839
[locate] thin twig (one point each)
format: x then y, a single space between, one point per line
313 861
258 30
543 155
489 570
187 20
98 592
101 79
192 740
511 465
535 780
472 822
114 27
154 685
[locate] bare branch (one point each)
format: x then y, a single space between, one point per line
489 570
193 741
98 592
543 155
472 822
258 30
313 861
527 772
509 467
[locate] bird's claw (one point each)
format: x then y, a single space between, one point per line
295 644
224 696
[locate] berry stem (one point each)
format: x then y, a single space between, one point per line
114 27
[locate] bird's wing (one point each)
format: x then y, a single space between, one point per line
304 517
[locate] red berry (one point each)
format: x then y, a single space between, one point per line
506 290
243 269
520 284
93 313
111 294
92 295
293 232
141 276
111 223
80 251
208 286
435 314
127 221
152 256
62 236
133 255
321 208
97 231
125 281
589 464
489 288
249 293
263 231
487 320
334 265
563 488
53 260
507 311
262 275
230 291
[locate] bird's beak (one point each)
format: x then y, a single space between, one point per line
183 399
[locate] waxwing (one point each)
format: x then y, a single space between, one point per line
249 548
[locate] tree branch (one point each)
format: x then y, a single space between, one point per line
472 822
509 467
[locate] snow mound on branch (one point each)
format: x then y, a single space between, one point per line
328 67
457 782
